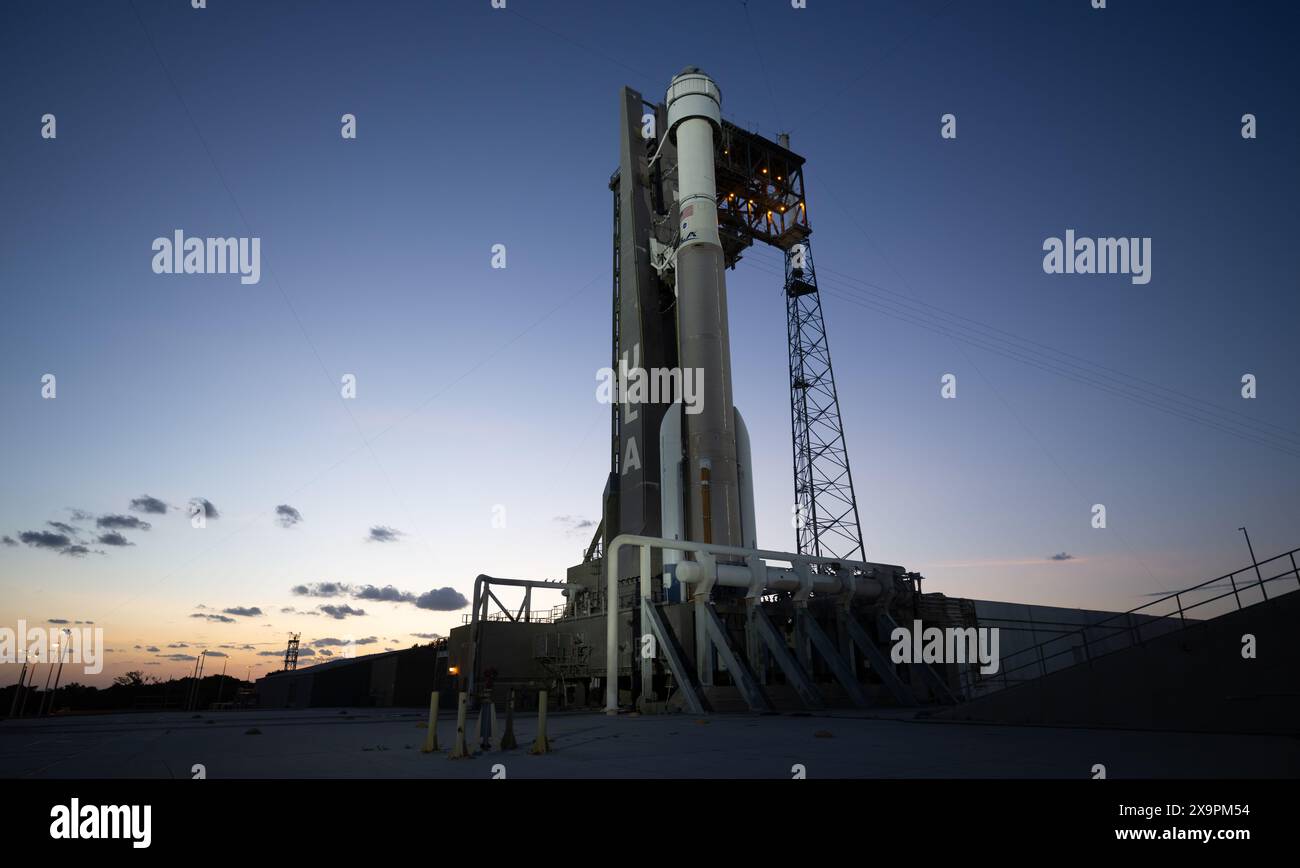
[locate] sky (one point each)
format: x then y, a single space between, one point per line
475 443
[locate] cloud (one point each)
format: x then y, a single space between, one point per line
218 654
44 539
220 619
1062 556
302 652
325 652
209 510
341 612
178 657
426 635
122 522
79 514
9 541
386 594
442 600
245 611
332 642
287 516
113 538
151 505
179 645
575 525
438 600
382 533
322 589
58 621
152 649
64 542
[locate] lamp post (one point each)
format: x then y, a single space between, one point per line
1255 563
222 683
198 674
49 703
18 689
59 677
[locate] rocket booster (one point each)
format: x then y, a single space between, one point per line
712 494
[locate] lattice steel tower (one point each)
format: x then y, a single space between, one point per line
826 512
291 653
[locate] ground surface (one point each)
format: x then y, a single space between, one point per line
385 743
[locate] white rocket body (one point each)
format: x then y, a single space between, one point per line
712 486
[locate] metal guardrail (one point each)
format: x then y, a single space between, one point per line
535 616
974 686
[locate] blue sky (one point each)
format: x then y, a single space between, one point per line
476 387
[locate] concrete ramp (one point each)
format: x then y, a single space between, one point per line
1194 679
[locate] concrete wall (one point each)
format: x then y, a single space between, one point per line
402 678
284 690
1191 680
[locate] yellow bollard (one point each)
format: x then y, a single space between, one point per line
459 750
508 740
431 737
541 744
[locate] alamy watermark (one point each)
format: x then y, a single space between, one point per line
1073 255
637 385
82 646
75 820
193 255
947 645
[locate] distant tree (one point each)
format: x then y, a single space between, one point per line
134 678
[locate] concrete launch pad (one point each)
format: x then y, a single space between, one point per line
370 743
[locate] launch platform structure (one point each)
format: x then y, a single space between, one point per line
291 653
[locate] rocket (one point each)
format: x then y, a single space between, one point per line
711 486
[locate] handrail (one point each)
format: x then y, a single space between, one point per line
1040 659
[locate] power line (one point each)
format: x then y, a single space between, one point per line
899 311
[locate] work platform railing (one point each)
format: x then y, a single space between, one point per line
535 616
1169 614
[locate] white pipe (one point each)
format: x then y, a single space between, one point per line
778 579
865 586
